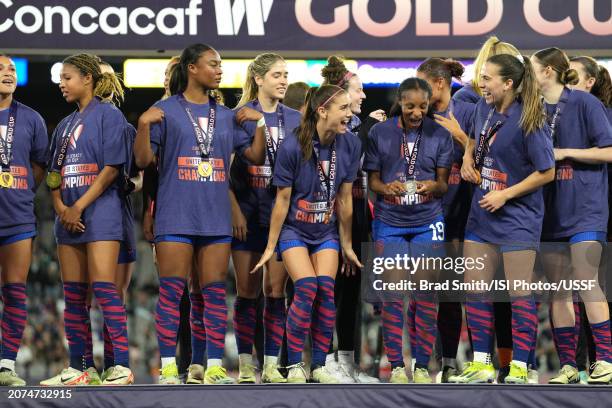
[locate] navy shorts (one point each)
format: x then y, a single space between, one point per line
195 240
11 239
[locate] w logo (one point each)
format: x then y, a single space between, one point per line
230 16
75 136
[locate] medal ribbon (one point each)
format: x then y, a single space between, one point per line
6 144
328 183
204 140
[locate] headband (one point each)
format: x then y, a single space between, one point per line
345 79
330 98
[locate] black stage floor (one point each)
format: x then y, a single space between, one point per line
311 396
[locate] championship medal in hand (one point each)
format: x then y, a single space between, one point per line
205 169
411 187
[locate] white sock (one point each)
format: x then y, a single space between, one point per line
6 363
270 360
412 364
330 358
481 357
346 357
213 362
521 364
167 361
245 359
450 362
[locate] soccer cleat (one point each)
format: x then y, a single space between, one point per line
94 377
68 376
271 375
119 376
296 374
106 373
358 375
323 375
9 378
517 375
533 377
567 375
421 376
217 375
398 376
335 369
446 373
195 374
169 375
474 373
246 374
601 373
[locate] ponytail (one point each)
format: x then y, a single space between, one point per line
316 98
533 116
179 77
106 86
493 46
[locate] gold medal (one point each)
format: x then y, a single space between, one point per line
54 180
6 179
205 168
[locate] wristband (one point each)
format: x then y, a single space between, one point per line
261 122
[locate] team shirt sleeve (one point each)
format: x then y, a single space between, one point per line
241 138
445 151
113 142
540 149
40 141
285 168
354 159
371 161
599 129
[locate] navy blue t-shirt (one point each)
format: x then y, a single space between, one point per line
467 94
187 203
578 199
512 157
97 141
256 202
30 144
385 155
305 219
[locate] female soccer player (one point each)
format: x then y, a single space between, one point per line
265 86
194 138
408 160
456 116
23 152
576 207
85 177
593 78
315 169
493 46
348 294
509 160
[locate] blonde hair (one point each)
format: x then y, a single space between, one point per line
172 63
493 46
258 67
107 86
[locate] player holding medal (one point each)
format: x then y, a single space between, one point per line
88 153
23 152
407 147
194 138
515 151
263 90
316 166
